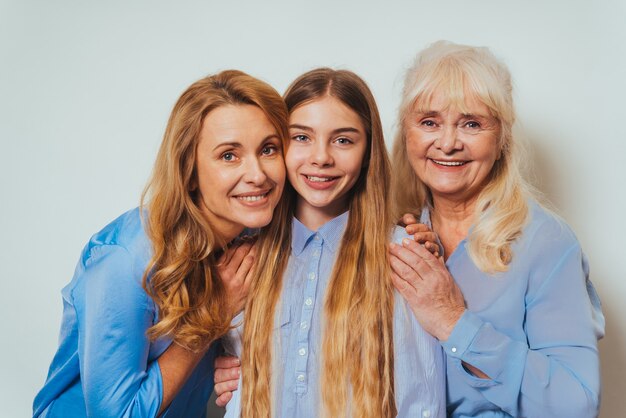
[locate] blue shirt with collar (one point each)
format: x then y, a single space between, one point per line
419 362
532 329
105 365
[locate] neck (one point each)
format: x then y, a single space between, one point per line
451 220
315 217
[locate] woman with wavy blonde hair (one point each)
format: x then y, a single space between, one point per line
323 335
151 292
512 306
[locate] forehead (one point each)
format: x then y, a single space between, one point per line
326 111
440 100
234 122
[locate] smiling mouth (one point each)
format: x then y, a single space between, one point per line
316 179
449 163
253 197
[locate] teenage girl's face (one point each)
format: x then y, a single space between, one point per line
240 169
324 157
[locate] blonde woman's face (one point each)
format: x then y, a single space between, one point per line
324 158
451 151
240 168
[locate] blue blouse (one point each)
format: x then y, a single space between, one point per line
532 329
105 365
297 359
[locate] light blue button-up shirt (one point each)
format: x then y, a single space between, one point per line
419 365
532 329
105 365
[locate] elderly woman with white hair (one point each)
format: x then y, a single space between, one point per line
510 299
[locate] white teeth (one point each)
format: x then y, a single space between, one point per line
251 198
319 179
448 163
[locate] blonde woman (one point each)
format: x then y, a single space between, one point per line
513 306
146 301
323 333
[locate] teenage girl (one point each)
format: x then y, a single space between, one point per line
324 333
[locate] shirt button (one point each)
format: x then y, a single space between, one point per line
302 351
316 253
426 413
300 378
303 325
317 237
311 276
453 349
308 302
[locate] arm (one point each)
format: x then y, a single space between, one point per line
554 373
114 313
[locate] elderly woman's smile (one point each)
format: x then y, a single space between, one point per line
452 150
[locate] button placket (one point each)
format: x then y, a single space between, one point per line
307 307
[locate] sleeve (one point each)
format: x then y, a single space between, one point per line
555 373
114 313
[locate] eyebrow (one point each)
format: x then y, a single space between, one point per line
228 144
334 131
238 145
428 114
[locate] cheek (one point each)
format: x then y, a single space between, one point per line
275 170
293 159
416 148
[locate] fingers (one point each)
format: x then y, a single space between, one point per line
409 218
240 253
226 387
226 362
414 227
422 254
225 377
223 399
400 260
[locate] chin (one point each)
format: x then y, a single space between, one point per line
258 221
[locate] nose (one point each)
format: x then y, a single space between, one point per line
320 154
254 172
449 141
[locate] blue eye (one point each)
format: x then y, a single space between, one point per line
228 156
300 138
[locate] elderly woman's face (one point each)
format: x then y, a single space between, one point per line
452 152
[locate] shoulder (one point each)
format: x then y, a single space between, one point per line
546 231
398 233
114 260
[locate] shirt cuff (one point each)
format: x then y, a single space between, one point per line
462 335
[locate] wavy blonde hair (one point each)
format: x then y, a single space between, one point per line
459 72
180 277
357 370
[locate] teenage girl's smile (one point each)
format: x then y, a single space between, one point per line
325 156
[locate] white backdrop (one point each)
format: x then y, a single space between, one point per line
86 88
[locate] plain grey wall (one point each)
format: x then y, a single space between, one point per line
86 88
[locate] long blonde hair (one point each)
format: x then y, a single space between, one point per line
357 349
180 277
457 72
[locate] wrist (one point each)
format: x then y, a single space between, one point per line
450 319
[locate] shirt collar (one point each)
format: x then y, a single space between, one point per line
331 233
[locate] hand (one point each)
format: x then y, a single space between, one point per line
226 378
421 233
428 287
234 268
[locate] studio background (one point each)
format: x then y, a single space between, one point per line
86 88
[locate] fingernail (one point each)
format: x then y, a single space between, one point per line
406 242
393 245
